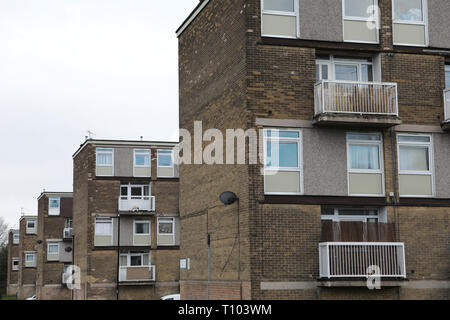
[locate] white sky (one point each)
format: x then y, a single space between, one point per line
68 66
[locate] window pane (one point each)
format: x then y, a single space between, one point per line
53 248
414 158
366 73
285 154
136 261
30 224
123 261
447 77
328 211
103 227
282 134
146 191
142 228
364 157
358 212
324 72
362 136
124 191
146 260
164 160
142 160
346 72
166 227
54 203
104 159
414 139
358 8
318 72
410 10
279 5
136 191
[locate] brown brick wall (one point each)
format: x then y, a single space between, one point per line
27 276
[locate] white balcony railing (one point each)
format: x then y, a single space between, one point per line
144 273
145 203
355 97
67 233
352 259
447 105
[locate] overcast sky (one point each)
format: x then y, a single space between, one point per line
68 66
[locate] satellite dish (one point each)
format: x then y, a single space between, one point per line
68 249
228 198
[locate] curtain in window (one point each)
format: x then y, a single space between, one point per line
103 228
364 157
279 5
410 10
104 159
414 158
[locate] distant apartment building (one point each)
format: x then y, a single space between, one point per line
351 103
126 219
13 263
55 249
28 228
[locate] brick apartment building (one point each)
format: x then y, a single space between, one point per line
55 249
354 118
12 278
28 228
126 219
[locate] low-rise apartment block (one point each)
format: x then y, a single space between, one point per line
55 248
13 263
28 229
351 102
126 219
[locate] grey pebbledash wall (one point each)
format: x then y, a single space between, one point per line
442 165
439 23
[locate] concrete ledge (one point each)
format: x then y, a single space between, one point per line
353 119
137 283
294 285
359 283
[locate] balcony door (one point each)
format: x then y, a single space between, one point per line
337 68
135 191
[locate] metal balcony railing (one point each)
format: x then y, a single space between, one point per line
137 203
355 97
447 105
144 273
353 259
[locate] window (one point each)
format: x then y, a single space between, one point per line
165 163
280 18
142 227
447 76
360 21
166 231
282 161
344 68
105 162
68 223
31 226
16 238
415 162
103 226
53 251
54 206
134 191
352 214
15 264
30 260
135 259
410 22
365 164
142 163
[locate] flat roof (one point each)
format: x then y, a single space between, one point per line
131 143
192 16
55 193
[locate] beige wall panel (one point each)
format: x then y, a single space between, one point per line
103 240
409 34
365 183
165 172
285 26
164 240
104 171
282 182
141 240
359 31
142 172
413 184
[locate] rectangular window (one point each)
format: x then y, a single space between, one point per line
279 18
54 206
30 259
165 159
16 238
105 162
360 21
415 161
135 191
410 22
282 161
68 223
15 264
447 76
166 231
103 226
344 69
31 226
134 259
365 164
142 163
53 251
351 214
141 227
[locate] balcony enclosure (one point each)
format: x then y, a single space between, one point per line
136 198
446 123
136 267
345 93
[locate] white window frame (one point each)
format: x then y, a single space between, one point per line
166 234
30 253
53 243
351 61
68 223
51 211
381 216
100 150
135 222
111 228
295 14
31 230
16 241
172 155
299 168
430 172
446 69
135 254
378 143
366 19
131 197
13 267
146 152
424 22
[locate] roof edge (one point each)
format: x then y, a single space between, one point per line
191 17
55 193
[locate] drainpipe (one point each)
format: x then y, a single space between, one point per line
73 256
118 255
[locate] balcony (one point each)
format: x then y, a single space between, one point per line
132 275
446 122
137 203
356 103
352 259
67 233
